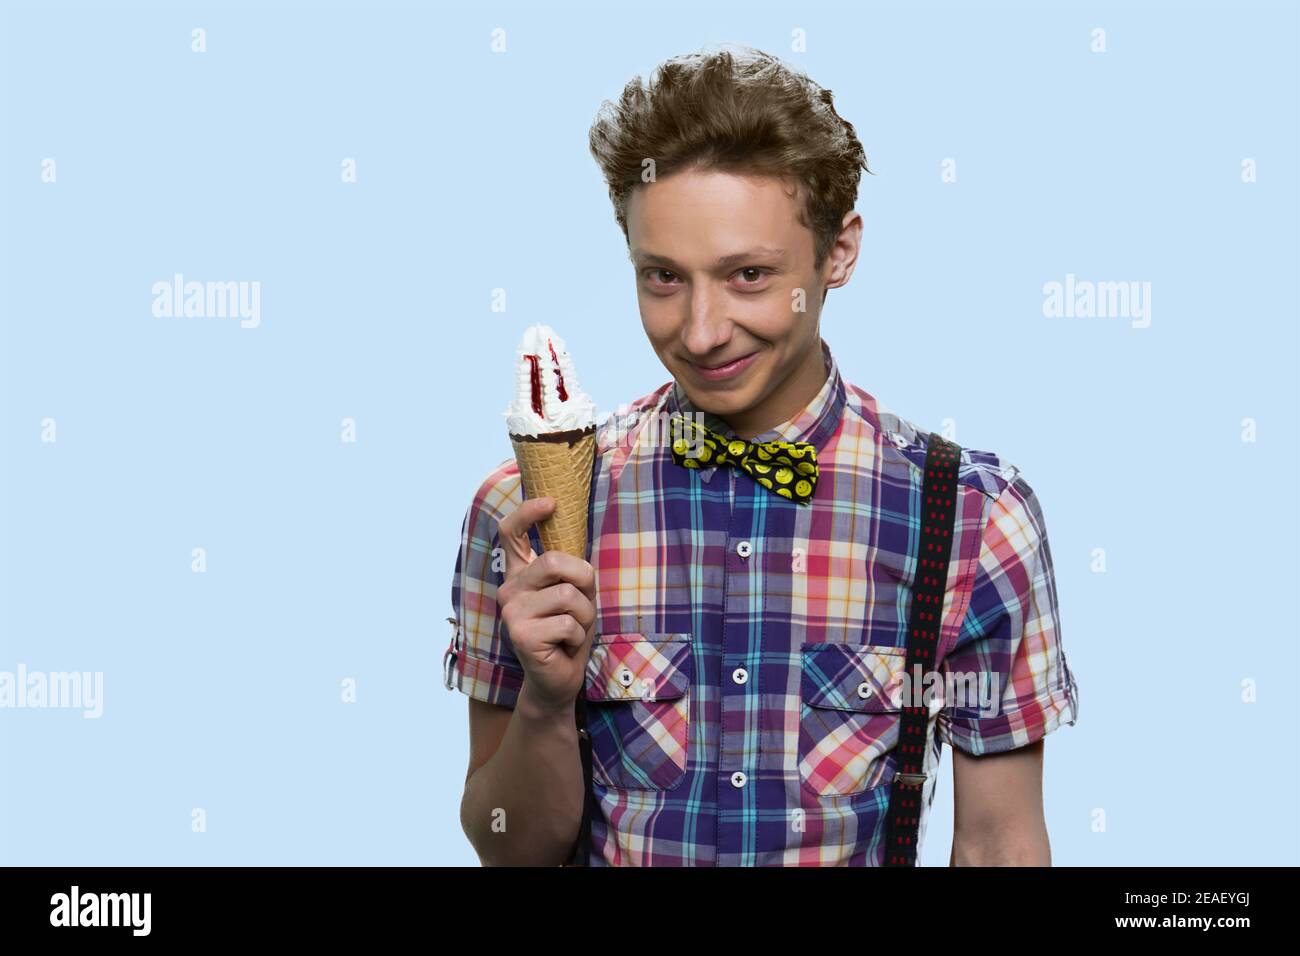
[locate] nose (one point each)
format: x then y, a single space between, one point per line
707 329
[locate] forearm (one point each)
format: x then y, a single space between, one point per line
523 807
998 809
1010 843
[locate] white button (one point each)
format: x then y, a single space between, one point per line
738 779
897 439
744 549
864 690
740 675
625 677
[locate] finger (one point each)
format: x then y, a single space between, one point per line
513 532
562 630
552 567
585 579
562 598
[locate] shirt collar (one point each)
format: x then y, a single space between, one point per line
815 423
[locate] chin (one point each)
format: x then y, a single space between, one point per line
721 402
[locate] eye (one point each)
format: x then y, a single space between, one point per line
657 275
759 274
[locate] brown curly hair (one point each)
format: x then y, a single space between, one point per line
745 112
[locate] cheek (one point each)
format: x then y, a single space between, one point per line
773 322
659 324
773 314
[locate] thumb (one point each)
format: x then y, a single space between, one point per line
513 531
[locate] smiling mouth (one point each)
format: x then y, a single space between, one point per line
724 364
726 370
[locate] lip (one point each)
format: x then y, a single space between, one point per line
724 372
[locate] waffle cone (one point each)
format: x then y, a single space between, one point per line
560 470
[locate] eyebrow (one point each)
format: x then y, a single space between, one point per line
759 252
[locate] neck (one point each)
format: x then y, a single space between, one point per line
786 401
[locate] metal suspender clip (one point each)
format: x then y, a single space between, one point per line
911 779
449 657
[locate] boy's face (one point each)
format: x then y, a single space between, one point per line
723 268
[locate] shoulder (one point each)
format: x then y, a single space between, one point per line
497 494
983 471
619 433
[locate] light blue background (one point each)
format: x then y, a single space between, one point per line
329 560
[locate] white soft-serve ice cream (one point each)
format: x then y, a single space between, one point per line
552 427
548 398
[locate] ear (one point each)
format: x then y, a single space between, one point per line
843 255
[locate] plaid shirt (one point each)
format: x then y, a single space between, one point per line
740 689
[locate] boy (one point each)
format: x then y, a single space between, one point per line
739 652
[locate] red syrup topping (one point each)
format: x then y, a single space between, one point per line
537 384
564 396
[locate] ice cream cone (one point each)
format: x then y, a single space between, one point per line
558 465
552 424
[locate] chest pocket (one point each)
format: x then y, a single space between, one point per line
638 692
849 716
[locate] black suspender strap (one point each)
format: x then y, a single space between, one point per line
938 509
582 846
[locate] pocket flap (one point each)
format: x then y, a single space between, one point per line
866 678
639 667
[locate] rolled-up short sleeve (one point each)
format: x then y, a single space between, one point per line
480 661
1010 640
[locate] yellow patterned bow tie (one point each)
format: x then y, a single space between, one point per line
786 468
